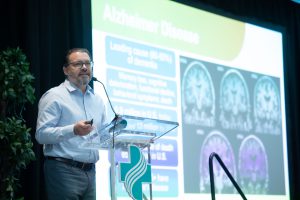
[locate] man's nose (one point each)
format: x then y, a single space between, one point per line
84 67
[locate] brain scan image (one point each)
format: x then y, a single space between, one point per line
198 101
267 114
218 143
235 106
253 166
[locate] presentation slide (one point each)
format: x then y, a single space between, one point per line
221 79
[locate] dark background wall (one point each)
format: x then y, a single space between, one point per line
46 29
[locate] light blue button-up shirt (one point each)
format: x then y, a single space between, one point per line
59 109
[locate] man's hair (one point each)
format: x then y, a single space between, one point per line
83 50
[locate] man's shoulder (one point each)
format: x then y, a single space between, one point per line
56 91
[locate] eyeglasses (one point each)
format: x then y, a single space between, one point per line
79 64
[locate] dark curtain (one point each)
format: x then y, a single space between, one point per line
46 29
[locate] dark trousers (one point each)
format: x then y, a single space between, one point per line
65 182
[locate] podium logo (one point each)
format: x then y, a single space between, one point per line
134 173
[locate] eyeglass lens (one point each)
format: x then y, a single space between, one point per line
80 64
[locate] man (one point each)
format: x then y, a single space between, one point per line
67 113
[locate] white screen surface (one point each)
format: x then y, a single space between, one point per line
220 79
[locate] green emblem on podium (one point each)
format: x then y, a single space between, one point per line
134 173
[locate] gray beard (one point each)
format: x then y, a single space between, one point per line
85 80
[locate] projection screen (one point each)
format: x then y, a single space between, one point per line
221 79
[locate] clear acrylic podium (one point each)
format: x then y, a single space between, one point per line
123 131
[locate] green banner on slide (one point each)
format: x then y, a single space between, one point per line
172 25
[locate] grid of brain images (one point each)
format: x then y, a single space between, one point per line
227 103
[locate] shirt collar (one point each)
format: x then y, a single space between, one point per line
71 87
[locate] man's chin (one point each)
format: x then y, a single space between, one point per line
85 80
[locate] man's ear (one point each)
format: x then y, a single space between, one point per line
65 69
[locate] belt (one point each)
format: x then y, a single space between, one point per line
73 163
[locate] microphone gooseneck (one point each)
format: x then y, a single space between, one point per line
112 108
118 123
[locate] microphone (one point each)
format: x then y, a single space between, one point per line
119 122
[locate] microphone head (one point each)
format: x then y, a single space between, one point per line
94 79
118 126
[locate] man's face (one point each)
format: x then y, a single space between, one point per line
79 69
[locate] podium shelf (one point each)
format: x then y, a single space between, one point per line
127 129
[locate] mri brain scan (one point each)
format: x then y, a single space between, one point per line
198 101
234 102
218 143
253 166
267 114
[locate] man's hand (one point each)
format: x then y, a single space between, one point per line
82 128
